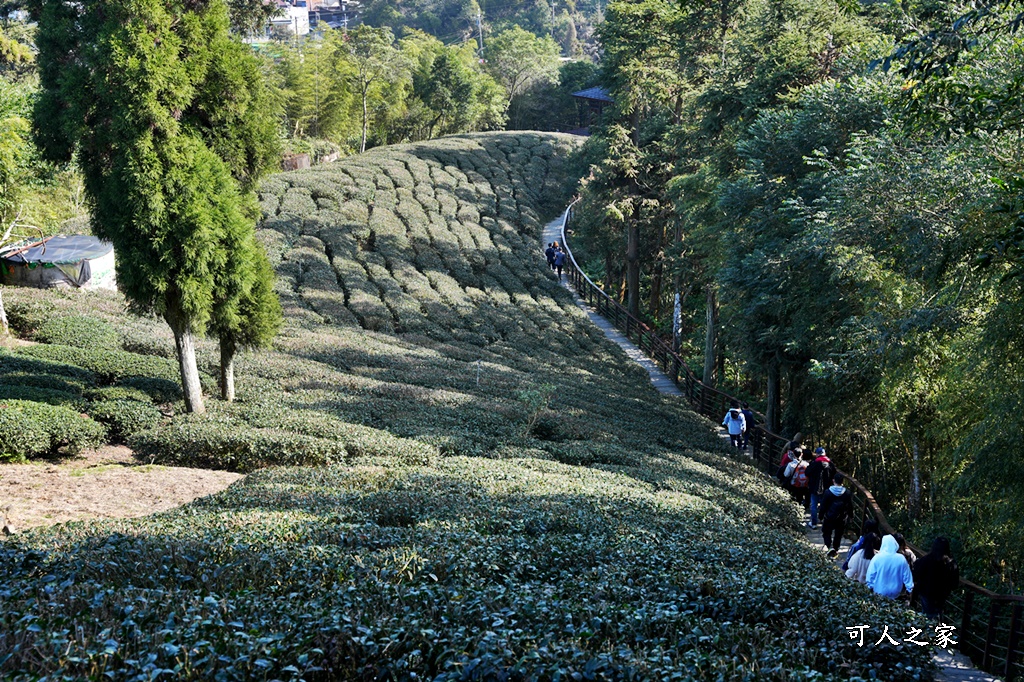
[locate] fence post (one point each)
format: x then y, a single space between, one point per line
1011 647
990 633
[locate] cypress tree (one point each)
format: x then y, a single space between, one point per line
166 116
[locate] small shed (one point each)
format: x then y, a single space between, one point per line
595 100
77 260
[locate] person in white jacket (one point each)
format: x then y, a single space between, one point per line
861 560
889 572
736 424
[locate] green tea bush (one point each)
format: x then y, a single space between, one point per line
50 396
123 417
32 429
159 390
112 365
79 331
213 442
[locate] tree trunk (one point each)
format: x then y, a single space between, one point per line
184 342
655 305
362 143
633 268
774 396
711 338
914 496
4 328
227 369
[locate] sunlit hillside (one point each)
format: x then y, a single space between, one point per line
484 488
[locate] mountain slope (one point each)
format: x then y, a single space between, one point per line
506 496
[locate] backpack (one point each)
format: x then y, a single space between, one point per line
823 479
800 476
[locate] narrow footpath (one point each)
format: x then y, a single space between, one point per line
952 667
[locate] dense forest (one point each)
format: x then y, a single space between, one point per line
834 191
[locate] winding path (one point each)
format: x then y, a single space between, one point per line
953 667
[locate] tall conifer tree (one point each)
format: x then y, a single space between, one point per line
166 116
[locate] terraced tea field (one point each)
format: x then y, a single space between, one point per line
482 487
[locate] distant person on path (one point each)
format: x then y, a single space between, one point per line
559 262
820 474
735 424
748 415
861 560
936 575
549 253
798 481
836 509
870 527
889 573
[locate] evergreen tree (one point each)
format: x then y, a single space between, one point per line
166 116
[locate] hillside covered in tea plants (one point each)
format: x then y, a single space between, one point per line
454 475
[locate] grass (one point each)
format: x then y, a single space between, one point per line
554 519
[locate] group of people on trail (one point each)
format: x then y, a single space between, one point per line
556 258
884 563
739 422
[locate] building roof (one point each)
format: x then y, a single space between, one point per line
599 94
57 250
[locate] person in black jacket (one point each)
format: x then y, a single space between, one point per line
936 575
836 508
820 474
748 415
550 254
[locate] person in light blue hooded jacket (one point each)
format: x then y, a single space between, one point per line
889 571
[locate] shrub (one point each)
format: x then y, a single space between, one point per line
215 442
113 365
160 391
31 429
78 331
124 417
50 396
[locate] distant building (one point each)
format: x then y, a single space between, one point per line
592 102
292 20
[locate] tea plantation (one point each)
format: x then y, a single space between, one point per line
454 476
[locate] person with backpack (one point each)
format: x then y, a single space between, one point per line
836 508
820 474
735 424
798 480
861 560
748 415
936 575
549 253
559 262
785 474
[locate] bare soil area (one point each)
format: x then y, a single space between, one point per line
100 484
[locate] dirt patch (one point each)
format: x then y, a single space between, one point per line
100 484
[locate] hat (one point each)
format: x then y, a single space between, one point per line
819 451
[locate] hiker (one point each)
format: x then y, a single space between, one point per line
889 573
870 527
861 560
798 481
790 456
820 473
735 424
795 457
905 550
559 262
936 575
549 253
748 415
836 508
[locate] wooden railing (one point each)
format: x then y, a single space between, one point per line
990 625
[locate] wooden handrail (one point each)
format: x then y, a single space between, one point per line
697 392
